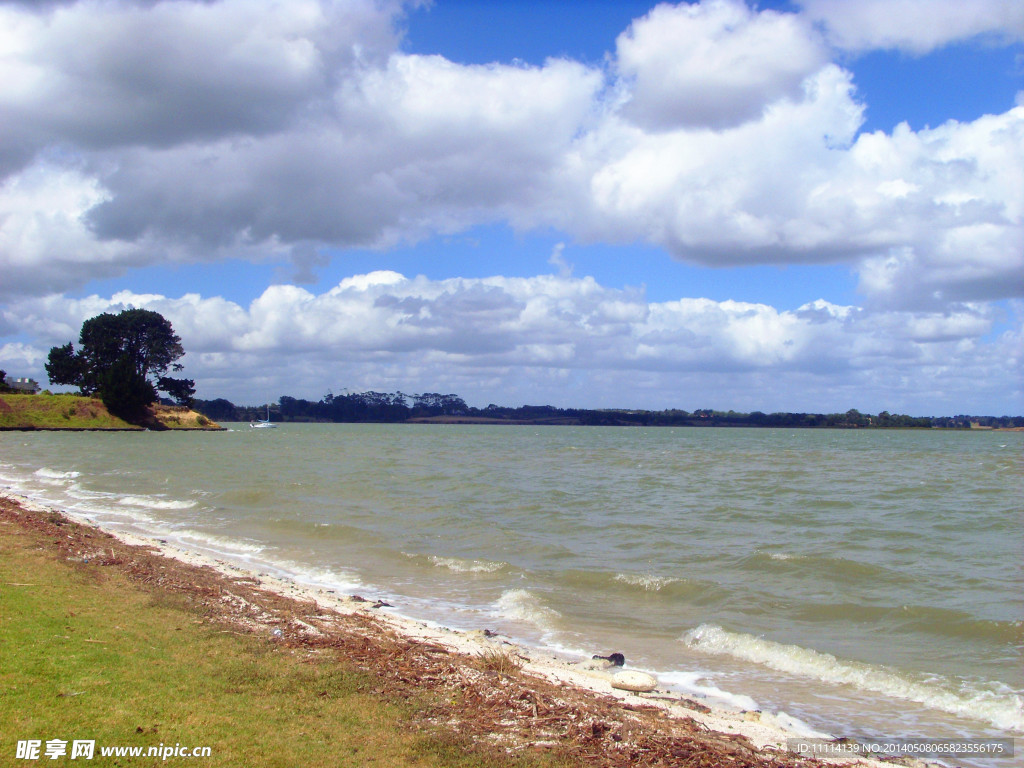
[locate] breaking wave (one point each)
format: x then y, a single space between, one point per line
151 502
54 474
466 566
523 605
992 702
648 583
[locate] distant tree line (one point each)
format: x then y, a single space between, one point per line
393 407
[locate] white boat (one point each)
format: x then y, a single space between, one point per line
265 424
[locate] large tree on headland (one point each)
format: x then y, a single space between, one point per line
122 358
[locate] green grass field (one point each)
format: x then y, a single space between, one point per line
47 411
87 654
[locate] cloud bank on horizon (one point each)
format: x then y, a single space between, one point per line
134 135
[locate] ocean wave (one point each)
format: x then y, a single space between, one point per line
466 566
820 566
220 544
56 474
523 605
341 581
992 702
86 506
151 502
647 582
692 682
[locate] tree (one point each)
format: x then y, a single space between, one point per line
122 358
65 367
182 391
124 391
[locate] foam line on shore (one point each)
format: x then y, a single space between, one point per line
989 701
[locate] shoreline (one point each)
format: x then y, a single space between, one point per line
758 732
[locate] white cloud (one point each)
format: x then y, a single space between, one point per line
492 339
420 147
730 196
99 75
44 243
18 357
713 64
916 26
557 259
134 134
957 231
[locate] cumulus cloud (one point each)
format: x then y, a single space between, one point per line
958 188
550 337
916 26
44 245
800 184
713 64
136 133
97 75
414 151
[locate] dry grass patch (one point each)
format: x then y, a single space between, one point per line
501 661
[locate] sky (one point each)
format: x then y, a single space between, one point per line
813 205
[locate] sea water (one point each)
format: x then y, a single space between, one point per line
862 583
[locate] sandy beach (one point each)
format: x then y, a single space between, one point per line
525 698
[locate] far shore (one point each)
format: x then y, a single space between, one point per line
662 724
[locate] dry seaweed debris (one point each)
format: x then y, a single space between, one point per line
487 697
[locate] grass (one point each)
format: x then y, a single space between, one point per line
87 654
48 411
56 412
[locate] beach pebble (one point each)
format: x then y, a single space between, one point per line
630 680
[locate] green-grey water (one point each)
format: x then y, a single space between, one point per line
868 583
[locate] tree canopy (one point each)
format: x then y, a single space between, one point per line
122 358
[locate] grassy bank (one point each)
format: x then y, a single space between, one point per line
46 411
87 653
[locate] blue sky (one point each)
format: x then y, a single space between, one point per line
784 206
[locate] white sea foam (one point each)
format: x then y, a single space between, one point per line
691 683
648 582
467 566
88 505
219 543
523 605
253 555
994 703
55 474
799 727
152 502
327 578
